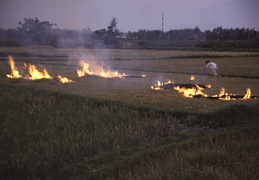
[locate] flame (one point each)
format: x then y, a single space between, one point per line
197 91
85 70
192 78
208 86
64 79
34 73
191 92
15 73
223 95
222 92
248 94
159 84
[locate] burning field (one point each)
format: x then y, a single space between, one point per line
33 72
119 117
196 91
130 80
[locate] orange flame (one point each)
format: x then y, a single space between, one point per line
192 78
64 79
85 70
159 84
248 94
34 73
14 72
190 92
222 92
198 92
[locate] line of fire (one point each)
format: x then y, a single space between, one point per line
35 73
196 91
186 90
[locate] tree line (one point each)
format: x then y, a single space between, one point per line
36 32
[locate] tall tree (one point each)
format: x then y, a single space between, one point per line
113 24
34 31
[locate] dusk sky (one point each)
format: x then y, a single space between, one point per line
133 15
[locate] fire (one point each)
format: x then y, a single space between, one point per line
222 92
159 84
84 69
208 86
229 96
196 91
248 94
191 92
64 79
192 78
15 73
34 73
100 71
223 95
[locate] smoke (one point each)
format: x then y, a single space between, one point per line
97 58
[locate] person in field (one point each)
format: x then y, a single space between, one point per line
212 67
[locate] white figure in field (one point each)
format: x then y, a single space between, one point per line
211 66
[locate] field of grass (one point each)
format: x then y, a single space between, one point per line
157 65
119 128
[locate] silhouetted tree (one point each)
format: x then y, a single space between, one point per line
113 25
8 37
33 31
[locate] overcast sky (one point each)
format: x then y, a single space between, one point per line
133 15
